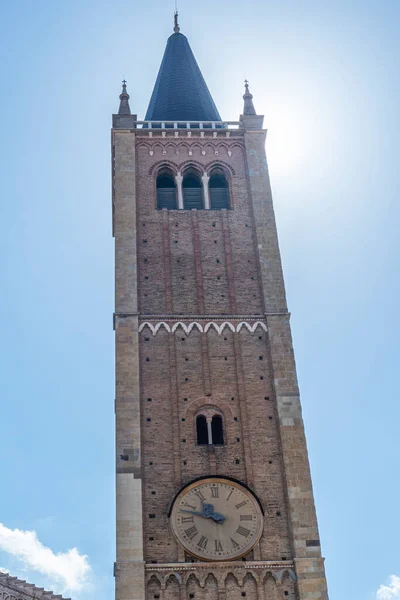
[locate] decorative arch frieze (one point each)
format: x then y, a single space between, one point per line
239 572
203 326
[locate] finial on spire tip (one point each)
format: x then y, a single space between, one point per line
176 26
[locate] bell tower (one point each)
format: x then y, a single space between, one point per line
213 490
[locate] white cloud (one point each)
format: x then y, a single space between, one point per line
391 591
2 570
67 571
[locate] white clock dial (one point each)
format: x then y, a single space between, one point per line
216 519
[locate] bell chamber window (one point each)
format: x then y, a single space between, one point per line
219 190
192 190
166 190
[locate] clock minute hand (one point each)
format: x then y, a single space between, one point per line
195 512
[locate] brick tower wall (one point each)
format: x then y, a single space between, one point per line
203 323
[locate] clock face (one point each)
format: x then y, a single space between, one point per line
216 519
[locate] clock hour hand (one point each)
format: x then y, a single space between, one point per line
218 518
207 513
208 509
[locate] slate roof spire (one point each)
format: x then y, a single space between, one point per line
248 101
180 92
124 108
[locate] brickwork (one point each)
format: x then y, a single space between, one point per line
13 588
213 272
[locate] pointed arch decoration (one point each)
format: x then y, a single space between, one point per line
202 327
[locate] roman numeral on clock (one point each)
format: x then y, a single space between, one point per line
218 546
202 543
187 519
243 531
214 492
190 506
200 495
192 532
234 544
246 517
240 505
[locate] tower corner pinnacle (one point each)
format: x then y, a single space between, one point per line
248 101
124 108
250 119
124 119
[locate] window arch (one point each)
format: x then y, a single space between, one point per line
219 190
201 430
166 190
192 190
217 430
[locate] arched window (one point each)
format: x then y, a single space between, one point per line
201 430
217 431
219 190
166 190
192 190
211 431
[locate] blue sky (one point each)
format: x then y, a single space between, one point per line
326 77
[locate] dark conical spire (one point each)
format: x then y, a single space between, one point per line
124 108
248 101
180 92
